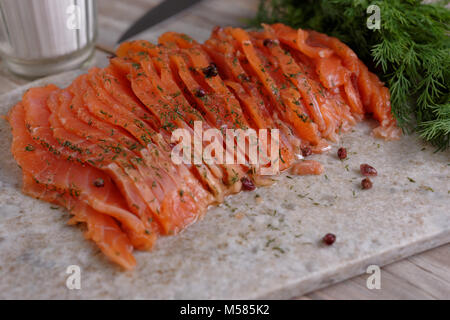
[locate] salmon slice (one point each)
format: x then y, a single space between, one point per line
307 167
74 125
224 91
72 147
102 229
285 99
340 69
311 94
175 96
240 83
333 102
149 186
327 64
350 61
106 154
247 91
170 120
368 84
78 119
332 75
176 184
83 114
347 55
217 98
376 100
173 114
199 61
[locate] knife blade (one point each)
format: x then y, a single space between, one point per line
162 11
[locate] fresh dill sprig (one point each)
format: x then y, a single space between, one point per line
410 53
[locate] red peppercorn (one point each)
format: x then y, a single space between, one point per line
367 170
99 183
200 93
329 239
342 153
306 151
210 71
247 184
366 183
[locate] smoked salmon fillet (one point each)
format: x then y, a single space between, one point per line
104 147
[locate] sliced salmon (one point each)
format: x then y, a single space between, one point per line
59 142
102 147
74 194
170 118
175 114
286 100
176 184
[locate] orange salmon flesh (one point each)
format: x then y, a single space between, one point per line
101 147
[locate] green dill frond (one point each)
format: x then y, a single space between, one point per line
437 130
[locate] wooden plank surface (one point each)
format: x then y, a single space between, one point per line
423 276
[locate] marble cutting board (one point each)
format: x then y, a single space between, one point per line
265 246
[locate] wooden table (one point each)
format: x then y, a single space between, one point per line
423 276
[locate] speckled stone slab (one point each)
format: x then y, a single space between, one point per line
265 246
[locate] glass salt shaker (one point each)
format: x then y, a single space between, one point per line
42 37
